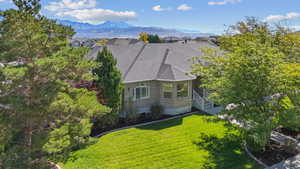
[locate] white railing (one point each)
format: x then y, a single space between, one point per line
208 105
198 101
204 104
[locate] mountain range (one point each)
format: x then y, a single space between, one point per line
110 29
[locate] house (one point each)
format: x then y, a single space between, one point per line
123 41
75 43
89 43
172 39
158 74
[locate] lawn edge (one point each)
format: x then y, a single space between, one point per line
147 123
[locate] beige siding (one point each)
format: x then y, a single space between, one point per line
173 105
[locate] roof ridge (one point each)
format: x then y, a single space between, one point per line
182 71
163 62
134 61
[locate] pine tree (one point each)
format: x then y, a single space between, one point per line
109 82
42 115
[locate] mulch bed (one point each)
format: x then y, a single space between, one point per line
143 118
288 132
273 154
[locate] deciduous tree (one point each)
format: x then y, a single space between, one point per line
144 37
250 72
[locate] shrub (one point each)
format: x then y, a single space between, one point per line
289 115
290 119
257 136
106 122
156 111
131 116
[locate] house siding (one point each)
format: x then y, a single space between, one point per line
171 106
176 105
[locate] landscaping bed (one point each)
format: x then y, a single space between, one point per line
143 118
288 132
273 154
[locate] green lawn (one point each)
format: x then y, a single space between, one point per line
192 142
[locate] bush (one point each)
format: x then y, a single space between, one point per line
156 111
290 119
258 136
131 116
106 122
289 115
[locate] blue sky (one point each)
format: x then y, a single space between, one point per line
204 15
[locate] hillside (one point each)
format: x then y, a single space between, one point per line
122 29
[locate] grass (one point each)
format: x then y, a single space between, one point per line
192 142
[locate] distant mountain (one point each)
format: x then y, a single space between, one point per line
105 25
109 24
122 29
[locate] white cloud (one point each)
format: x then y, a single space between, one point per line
158 8
224 2
278 18
96 16
184 7
71 4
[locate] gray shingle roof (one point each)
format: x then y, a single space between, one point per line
120 41
143 62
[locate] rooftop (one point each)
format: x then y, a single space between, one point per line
161 61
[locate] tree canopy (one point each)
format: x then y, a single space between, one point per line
149 38
254 71
42 115
109 84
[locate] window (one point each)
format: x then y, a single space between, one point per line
182 90
141 92
167 90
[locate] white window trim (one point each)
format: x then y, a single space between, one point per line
141 98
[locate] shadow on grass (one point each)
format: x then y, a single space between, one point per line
172 123
162 125
225 152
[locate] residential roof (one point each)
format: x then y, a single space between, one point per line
123 41
162 61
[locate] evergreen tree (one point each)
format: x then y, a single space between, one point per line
32 7
149 38
109 82
154 39
42 115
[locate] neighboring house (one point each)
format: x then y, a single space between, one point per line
124 41
89 43
158 74
75 43
172 39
